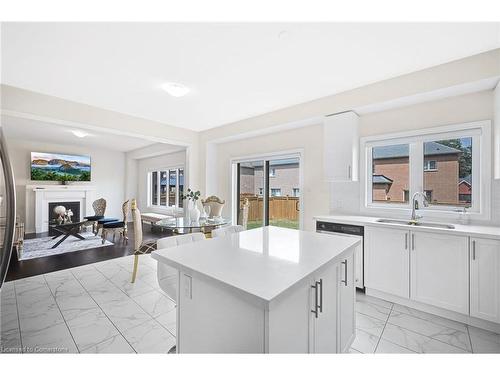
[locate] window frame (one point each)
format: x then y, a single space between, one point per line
430 169
278 190
479 131
158 187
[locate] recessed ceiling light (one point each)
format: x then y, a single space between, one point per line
79 133
175 89
283 34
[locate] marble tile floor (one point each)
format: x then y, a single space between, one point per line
384 327
95 309
88 309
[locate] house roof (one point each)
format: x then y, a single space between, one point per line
467 180
399 151
381 179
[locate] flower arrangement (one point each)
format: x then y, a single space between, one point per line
191 195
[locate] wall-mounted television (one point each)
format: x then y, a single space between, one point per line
59 167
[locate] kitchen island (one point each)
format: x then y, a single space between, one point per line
265 290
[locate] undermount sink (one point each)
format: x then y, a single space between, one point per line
416 224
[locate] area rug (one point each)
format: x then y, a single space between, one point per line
42 247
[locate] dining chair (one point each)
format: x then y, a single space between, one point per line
117 226
99 206
167 276
216 205
140 246
243 214
224 231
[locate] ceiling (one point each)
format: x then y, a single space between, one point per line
37 131
235 71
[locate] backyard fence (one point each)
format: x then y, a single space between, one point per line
279 207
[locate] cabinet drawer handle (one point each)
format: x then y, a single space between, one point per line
406 241
413 241
315 311
473 249
345 272
349 173
321 295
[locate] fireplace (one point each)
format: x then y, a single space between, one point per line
73 206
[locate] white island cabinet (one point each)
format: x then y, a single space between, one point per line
265 290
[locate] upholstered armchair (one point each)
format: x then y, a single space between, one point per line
215 204
117 226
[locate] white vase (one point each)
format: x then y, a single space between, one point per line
194 213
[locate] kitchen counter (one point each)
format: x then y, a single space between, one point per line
262 262
265 290
471 230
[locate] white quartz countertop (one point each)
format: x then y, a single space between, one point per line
471 230
263 262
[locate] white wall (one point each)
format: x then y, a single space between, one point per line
345 197
108 175
28 104
146 165
321 197
314 193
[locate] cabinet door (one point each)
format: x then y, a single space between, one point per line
387 260
325 324
347 297
341 146
485 279
358 266
440 270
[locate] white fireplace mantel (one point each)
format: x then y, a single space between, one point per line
45 194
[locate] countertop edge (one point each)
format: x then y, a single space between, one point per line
261 299
491 232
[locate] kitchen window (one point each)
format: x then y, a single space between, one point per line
450 165
166 187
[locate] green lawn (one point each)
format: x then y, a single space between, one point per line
284 223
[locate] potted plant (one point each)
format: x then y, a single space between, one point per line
193 196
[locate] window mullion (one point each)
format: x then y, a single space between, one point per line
158 187
416 167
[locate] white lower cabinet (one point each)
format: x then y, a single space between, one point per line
387 260
439 269
332 297
485 279
324 310
347 291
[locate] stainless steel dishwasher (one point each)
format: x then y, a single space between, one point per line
350 231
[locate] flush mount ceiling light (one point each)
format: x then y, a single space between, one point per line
175 89
283 34
79 133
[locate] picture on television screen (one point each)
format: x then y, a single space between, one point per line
59 167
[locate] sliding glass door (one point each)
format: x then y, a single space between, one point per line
268 192
250 191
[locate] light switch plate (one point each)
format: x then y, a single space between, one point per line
188 286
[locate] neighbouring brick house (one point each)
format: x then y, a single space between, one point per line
465 189
283 179
441 173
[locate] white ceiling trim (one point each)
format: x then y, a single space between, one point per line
448 92
80 125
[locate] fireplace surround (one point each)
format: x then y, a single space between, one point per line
57 194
